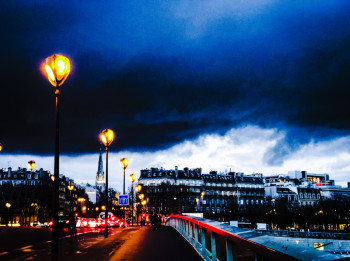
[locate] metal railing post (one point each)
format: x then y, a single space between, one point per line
204 247
195 233
229 255
213 246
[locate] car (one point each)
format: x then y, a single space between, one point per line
63 222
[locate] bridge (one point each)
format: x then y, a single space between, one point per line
182 238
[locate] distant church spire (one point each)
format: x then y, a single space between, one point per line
100 176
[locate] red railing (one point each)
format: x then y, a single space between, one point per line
195 232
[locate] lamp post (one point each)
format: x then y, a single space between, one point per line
106 137
70 188
133 178
143 202
8 205
81 201
124 162
31 166
57 68
138 190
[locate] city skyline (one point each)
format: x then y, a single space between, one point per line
255 86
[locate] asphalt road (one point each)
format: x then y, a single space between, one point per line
132 243
19 243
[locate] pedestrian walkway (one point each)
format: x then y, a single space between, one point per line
164 243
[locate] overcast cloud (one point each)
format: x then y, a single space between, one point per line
241 150
172 75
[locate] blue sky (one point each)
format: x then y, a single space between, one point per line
168 73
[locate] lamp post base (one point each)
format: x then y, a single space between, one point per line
106 232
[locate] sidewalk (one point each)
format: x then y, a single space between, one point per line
149 245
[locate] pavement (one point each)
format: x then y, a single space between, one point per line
132 243
164 243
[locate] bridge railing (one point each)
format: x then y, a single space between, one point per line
214 243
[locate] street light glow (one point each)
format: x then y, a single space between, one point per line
133 177
57 68
138 188
107 137
70 186
31 164
124 162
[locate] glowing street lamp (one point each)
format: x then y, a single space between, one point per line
57 69
0 146
106 137
8 205
138 188
31 166
124 162
70 188
133 178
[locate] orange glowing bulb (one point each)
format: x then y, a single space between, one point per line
107 137
124 162
31 164
57 68
132 177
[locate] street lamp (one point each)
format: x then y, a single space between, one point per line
70 188
106 137
138 188
124 162
31 166
8 205
57 68
133 178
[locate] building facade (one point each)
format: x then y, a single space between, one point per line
29 195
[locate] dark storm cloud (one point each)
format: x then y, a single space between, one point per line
162 72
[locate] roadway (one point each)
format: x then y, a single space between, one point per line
132 243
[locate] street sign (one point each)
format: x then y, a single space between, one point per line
123 200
